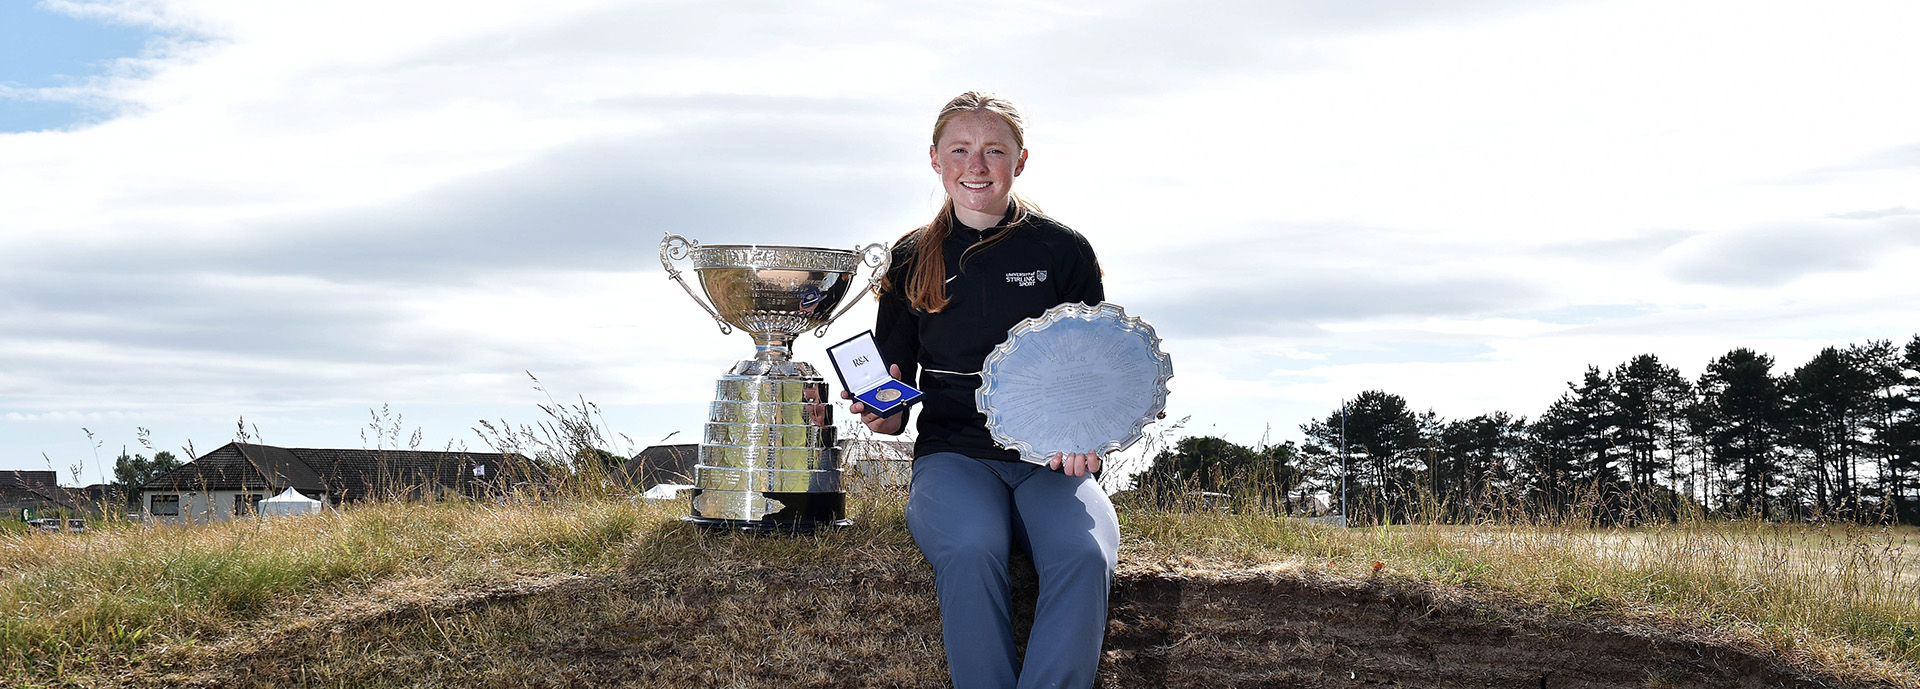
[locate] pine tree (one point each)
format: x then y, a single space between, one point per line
1383 440
1879 362
1201 462
1579 441
1555 446
1485 452
1650 399
1834 415
1741 407
1903 436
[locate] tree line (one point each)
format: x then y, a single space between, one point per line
1837 437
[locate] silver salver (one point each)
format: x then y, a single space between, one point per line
1077 378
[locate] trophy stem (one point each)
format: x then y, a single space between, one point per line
773 346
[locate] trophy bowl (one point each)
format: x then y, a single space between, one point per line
769 460
774 289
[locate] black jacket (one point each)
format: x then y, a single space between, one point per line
1040 265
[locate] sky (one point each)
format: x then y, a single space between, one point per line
282 218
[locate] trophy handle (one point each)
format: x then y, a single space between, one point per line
877 259
674 247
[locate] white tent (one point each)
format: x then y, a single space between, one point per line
290 502
665 491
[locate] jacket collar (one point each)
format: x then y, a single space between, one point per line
960 230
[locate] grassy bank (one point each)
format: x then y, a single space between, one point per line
125 593
396 583
1842 598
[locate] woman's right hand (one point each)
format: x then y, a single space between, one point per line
884 425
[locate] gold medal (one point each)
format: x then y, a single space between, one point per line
887 395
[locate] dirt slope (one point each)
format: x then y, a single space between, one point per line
1291 631
874 624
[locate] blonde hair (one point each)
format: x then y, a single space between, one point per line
926 281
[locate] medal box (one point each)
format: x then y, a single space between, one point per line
865 375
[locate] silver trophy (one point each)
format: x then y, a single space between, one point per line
1077 378
768 460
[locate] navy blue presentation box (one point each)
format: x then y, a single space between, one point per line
864 373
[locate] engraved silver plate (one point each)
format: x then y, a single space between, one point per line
770 435
734 504
775 480
787 413
757 457
1077 378
766 389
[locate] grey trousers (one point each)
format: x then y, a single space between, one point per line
966 514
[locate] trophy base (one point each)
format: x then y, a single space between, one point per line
765 527
799 512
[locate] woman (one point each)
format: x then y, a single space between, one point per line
988 260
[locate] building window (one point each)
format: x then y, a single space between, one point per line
245 503
164 506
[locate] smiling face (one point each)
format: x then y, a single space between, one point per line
977 157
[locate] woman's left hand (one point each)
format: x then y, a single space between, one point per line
1075 463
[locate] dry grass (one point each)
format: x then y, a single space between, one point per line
124 595
564 592
685 608
1841 599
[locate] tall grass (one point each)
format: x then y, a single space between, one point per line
1836 595
1842 599
128 589
119 594
1790 586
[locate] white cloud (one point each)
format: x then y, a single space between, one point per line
301 210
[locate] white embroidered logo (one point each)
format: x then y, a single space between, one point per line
1027 279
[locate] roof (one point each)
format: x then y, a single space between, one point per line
98 493
232 467
26 479
344 474
17 495
45 486
660 464
358 473
282 468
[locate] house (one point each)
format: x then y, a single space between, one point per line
232 480
26 494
